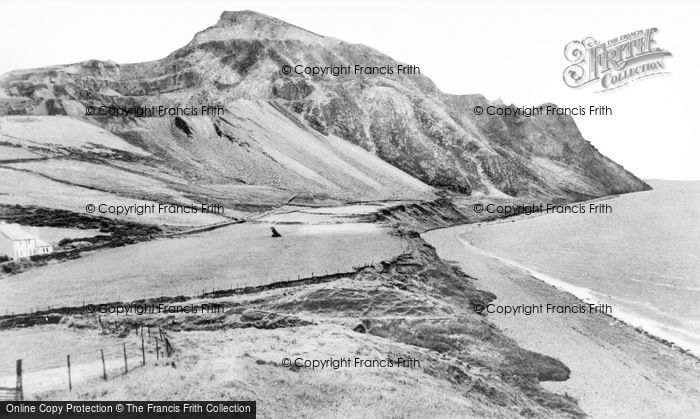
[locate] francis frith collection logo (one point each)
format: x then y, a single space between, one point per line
615 63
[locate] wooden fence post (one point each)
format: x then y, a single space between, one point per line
104 368
143 349
70 383
126 367
168 347
157 349
20 389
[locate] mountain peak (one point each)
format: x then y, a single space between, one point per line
247 18
236 15
247 24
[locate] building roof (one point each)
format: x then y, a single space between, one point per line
13 232
41 243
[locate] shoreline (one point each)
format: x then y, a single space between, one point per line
617 370
645 326
648 327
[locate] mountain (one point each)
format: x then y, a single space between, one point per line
346 137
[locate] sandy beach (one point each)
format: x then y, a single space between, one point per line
616 371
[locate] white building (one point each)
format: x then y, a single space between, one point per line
18 244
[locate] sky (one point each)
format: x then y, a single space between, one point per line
508 50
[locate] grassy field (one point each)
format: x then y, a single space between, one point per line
44 366
233 256
415 308
245 364
23 188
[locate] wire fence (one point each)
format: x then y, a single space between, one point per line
193 293
134 350
189 292
145 345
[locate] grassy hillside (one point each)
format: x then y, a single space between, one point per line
413 306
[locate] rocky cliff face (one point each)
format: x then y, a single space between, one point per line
275 119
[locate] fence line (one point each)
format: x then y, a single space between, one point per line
199 292
163 348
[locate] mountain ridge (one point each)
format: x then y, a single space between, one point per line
405 120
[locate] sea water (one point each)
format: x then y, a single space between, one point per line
642 257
